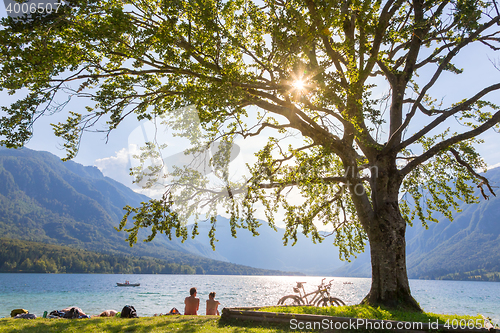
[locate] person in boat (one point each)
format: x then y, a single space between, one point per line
212 305
192 303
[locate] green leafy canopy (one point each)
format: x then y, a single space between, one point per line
309 68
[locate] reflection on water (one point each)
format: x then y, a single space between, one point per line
159 293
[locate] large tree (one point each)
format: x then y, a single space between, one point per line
352 78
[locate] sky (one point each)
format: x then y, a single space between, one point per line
112 154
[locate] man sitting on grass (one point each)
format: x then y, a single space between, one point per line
192 303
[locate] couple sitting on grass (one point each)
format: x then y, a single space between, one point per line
193 304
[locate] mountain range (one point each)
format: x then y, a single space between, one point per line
467 248
46 200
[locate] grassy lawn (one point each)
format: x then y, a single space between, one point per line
184 324
208 324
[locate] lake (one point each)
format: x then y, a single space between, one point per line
94 293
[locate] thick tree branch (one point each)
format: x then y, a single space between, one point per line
449 142
387 13
420 30
444 115
319 136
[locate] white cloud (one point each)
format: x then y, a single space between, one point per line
116 167
496 165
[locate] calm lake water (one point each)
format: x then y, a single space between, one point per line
94 293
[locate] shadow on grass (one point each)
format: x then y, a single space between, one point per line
111 325
242 326
237 326
188 324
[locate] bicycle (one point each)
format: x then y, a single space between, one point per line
319 297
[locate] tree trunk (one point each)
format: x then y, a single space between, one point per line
390 287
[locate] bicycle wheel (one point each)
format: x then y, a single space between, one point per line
337 301
332 301
290 300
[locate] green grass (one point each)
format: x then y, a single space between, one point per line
209 324
369 312
184 324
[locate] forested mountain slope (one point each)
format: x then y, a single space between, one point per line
468 246
18 256
46 200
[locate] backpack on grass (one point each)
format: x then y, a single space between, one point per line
128 311
174 311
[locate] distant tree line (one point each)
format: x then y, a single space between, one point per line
20 256
476 275
30 257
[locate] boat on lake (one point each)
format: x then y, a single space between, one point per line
127 284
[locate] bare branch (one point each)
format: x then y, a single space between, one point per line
330 180
334 55
474 173
466 41
262 127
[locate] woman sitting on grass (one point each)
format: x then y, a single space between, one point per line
212 305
